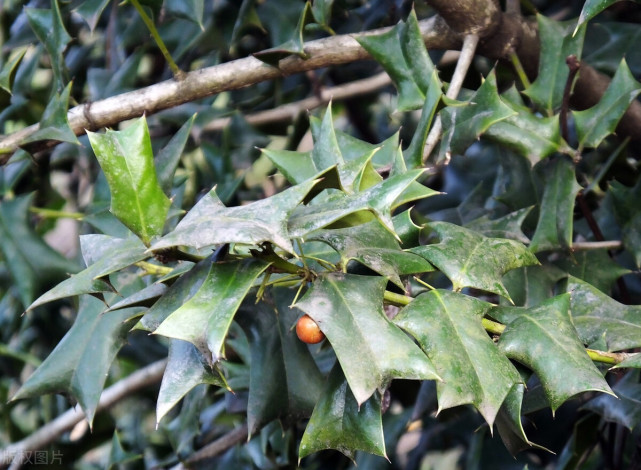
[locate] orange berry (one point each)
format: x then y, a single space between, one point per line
308 330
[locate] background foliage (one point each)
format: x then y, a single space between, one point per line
480 303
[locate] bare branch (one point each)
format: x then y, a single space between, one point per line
220 445
142 378
465 59
289 111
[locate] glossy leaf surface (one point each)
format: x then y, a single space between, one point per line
544 339
470 259
349 310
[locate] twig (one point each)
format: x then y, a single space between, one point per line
236 436
290 111
48 433
601 245
465 60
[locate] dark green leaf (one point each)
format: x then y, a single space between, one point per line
591 8
294 45
532 136
32 263
557 43
554 228
113 255
375 247
80 363
209 222
463 125
402 53
596 123
284 380
128 163
168 158
599 317
205 318
448 327
508 226
143 298
509 425
544 339
118 456
531 285
8 71
48 27
624 408
191 10
90 11
470 259
340 422
414 153
371 350
186 368
178 293
378 200
594 267
54 124
632 237
610 42
104 83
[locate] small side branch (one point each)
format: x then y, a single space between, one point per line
462 66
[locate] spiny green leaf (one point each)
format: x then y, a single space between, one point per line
168 158
508 226
115 254
371 350
186 368
448 327
118 456
54 124
128 163
340 422
178 293
402 53
596 123
79 364
595 267
532 136
554 228
379 200
599 317
591 8
205 318
294 45
509 425
470 259
191 10
33 265
90 11
531 285
557 43
143 298
9 68
544 339
373 246
209 222
284 380
414 153
463 125
48 26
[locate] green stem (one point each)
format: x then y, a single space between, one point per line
154 269
178 74
54 214
520 71
607 357
604 168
